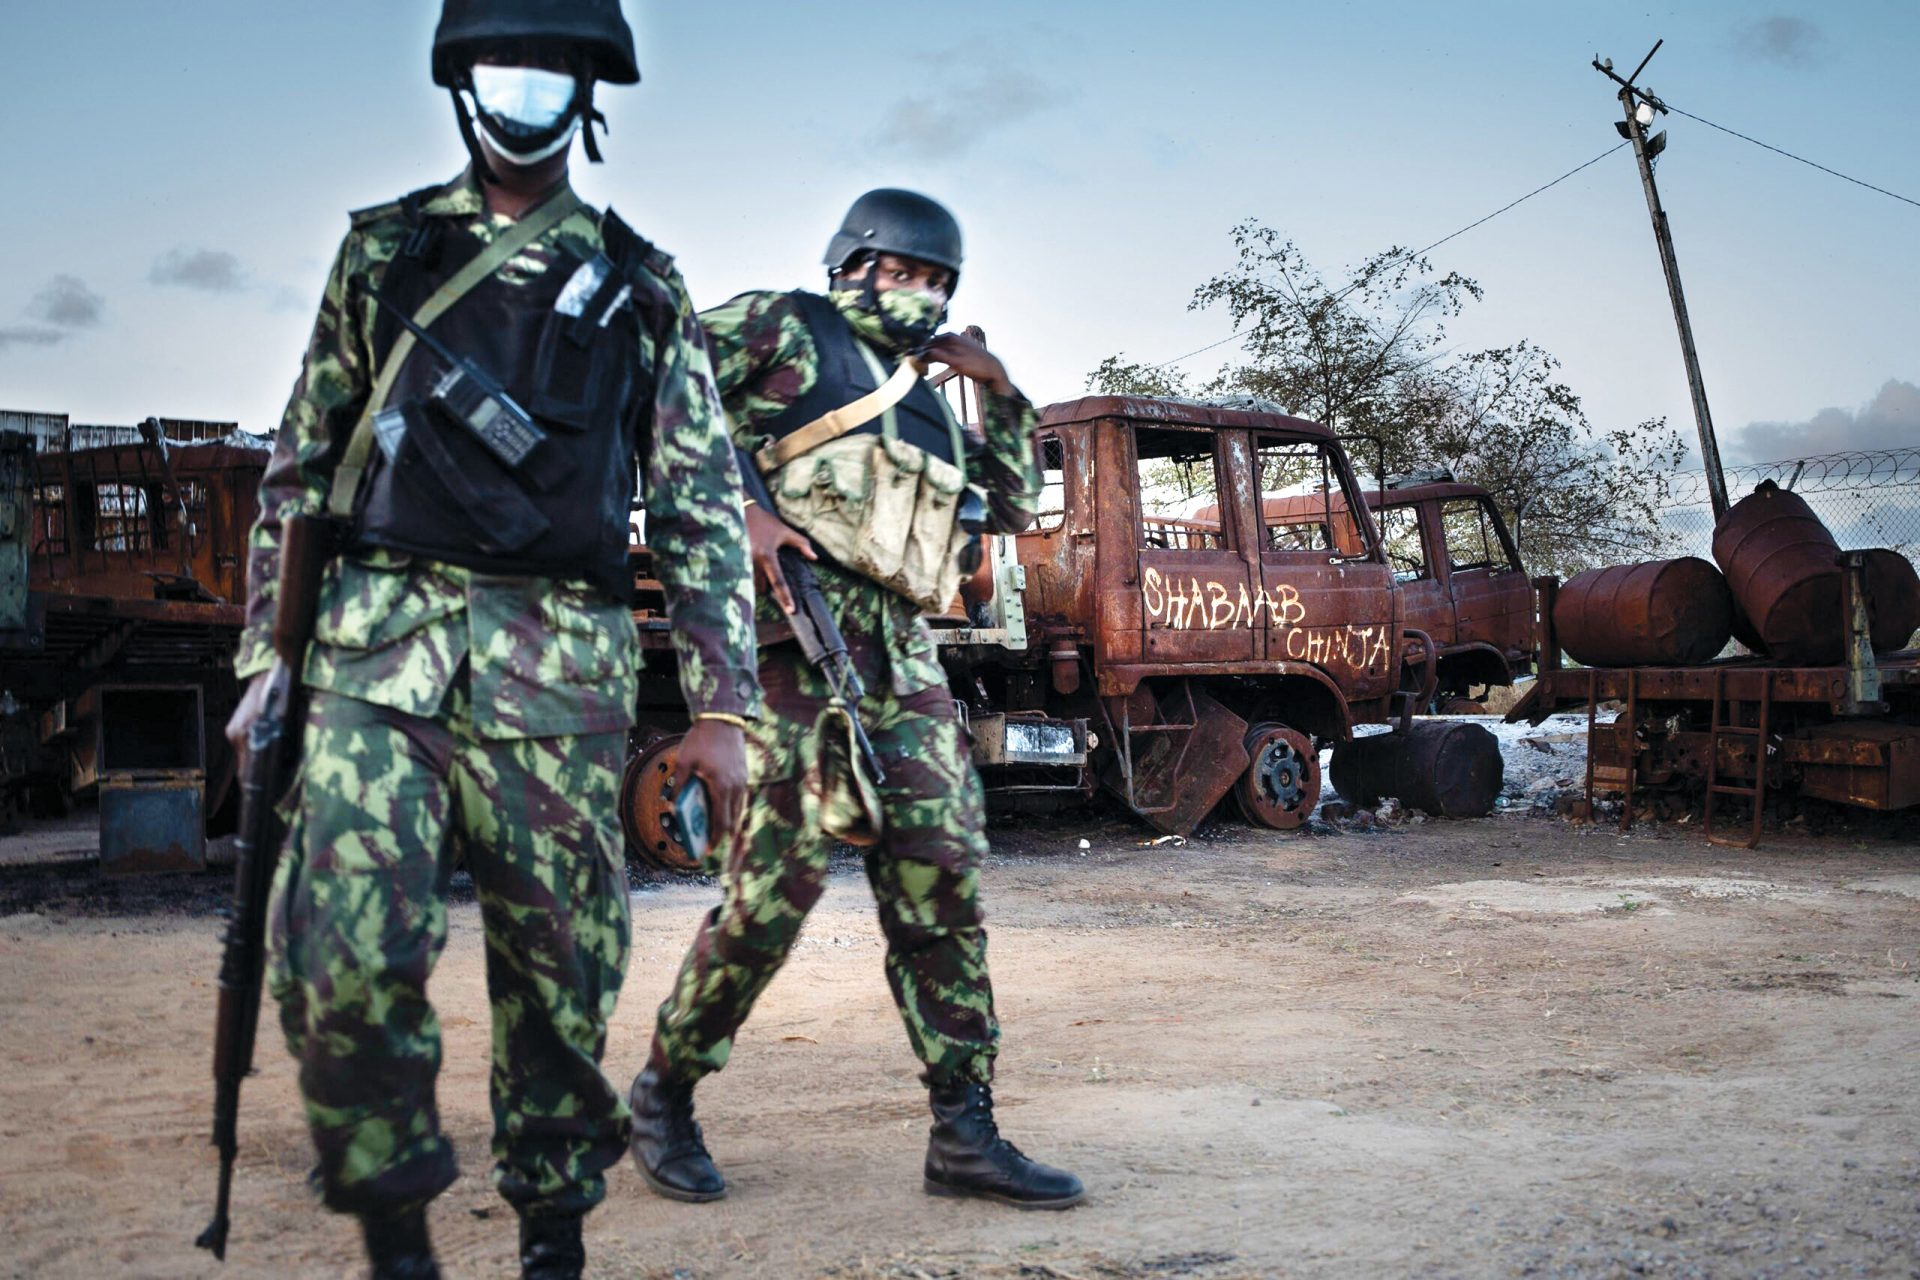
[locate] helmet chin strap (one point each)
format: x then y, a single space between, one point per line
589 117
475 153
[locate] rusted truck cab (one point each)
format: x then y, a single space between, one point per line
1214 645
1461 582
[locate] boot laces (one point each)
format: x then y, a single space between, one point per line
981 1112
683 1131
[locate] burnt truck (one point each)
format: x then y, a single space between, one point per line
122 595
1195 612
1458 569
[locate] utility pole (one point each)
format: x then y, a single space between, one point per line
1642 108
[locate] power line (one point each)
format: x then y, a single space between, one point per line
1788 154
1530 195
1417 252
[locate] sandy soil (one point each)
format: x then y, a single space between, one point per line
1508 1047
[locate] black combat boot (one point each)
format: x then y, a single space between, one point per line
550 1246
666 1142
398 1247
966 1156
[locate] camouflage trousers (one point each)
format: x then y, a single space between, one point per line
925 874
388 806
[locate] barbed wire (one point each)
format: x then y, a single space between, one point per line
1856 469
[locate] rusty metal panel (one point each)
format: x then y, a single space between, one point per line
1869 764
1182 768
152 823
1661 613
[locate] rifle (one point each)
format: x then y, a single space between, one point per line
306 544
821 643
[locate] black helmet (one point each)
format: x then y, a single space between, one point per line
468 26
893 221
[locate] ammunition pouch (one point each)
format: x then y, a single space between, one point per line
870 465
883 508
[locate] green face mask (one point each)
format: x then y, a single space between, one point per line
895 320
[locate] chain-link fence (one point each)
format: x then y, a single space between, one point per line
1868 499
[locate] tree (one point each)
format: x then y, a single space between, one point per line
1368 356
1575 497
1118 376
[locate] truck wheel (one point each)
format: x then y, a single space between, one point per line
644 807
1282 781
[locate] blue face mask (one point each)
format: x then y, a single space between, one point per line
528 114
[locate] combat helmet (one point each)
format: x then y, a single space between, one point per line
468 27
890 220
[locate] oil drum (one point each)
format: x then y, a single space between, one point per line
1447 769
1895 591
1661 613
1783 567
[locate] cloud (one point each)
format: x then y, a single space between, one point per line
29 336
1891 420
66 303
211 270
970 106
1782 40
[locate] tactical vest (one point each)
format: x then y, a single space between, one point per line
883 498
845 375
566 347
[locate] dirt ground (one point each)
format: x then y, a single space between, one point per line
1506 1047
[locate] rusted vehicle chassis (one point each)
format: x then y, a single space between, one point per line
1739 728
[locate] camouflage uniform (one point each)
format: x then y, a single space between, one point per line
925 870
457 714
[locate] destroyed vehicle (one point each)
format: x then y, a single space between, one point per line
1458 571
1164 630
122 594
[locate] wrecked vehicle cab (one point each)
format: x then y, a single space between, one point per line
1213 646
1460 578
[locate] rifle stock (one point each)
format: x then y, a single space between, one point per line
307 543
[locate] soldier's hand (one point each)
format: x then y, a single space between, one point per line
252 703
716 753
766 534
970 358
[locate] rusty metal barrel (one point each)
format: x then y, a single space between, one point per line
1449 770
1658 614
1894 588
1783 566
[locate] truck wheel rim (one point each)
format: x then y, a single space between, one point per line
1282 781
644 807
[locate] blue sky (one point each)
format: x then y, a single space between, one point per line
182 171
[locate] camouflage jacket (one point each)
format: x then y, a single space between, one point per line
545 657
765 359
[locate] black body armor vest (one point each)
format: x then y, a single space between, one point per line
566 348
844 377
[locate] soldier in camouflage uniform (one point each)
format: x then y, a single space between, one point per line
782 359
474 664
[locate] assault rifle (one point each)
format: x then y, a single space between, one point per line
306 544
821 643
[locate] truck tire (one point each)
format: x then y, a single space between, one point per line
1282 783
